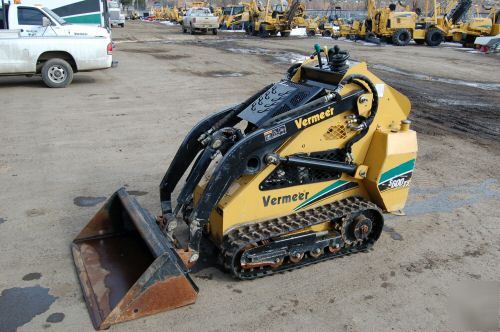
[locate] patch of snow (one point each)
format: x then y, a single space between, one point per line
281 57
232 30
228 75
289 57
167 23
298 32
452 44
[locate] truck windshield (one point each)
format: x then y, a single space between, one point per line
201 12
54 16
238 10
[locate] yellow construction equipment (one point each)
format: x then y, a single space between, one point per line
235 17
400 27
437 27
279 18
467 32
300 172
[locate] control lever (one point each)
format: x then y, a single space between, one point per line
318 50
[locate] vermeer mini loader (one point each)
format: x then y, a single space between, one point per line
297 174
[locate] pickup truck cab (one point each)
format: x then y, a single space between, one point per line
199 19
35 41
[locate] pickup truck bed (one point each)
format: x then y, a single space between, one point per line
22 55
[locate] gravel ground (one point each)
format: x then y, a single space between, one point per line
63 151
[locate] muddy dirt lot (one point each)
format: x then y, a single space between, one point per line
64 151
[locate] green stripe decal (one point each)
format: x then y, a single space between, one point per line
323 192
403 168
85 19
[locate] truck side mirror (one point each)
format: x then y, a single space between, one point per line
46 22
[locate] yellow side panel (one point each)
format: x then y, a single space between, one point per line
495 30
391 160
419 34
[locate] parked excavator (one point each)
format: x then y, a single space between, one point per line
299 173
275 19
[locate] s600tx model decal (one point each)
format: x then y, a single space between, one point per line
397 177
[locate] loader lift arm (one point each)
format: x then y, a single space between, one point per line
192 145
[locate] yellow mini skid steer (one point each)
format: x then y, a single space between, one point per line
299 173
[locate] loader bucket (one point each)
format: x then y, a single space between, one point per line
127 268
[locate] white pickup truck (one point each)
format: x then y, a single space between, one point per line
200 19
35 41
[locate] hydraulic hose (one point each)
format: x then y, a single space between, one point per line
366 122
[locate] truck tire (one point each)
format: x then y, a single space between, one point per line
263 33
326 33
191 29
434 37
121 25
401 37
285 33
372 38
214 31
311 33
57 73
184 30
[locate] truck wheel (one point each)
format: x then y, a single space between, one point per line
214 31
372 38
311 33
263 32
184 30
121 25
191 30
285 33
326 33
401 37
252 30
57 73
434 37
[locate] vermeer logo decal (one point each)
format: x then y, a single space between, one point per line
269 200
310 120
